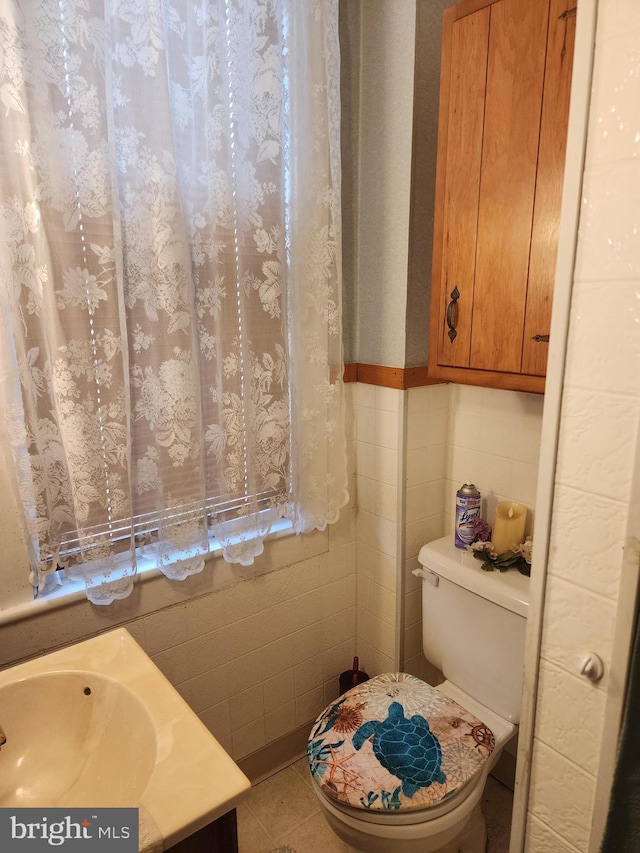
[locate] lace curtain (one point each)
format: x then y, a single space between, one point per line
170 278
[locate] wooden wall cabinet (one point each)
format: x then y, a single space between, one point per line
504 103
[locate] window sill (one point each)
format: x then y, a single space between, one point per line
72 592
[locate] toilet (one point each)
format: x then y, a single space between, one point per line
400 766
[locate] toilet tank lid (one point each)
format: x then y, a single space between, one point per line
508 589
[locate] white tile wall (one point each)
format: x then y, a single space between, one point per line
427 439
599 425
494 443
562 795
379 421
570 723
543 839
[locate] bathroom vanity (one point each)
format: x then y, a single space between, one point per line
116 734
219 836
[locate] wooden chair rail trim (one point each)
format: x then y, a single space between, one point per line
389 377
414 377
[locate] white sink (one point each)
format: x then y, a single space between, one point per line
97 724
73 739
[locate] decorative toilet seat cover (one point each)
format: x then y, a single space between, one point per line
395 742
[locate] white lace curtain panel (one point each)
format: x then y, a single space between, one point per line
170 278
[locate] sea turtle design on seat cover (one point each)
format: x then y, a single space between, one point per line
406 748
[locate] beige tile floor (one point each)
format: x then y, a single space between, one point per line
282 815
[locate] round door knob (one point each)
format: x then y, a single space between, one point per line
592 667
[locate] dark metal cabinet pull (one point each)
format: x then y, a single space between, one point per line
540 339
452 314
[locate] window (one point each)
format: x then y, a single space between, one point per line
170 269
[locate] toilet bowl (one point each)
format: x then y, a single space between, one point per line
452 825
399 766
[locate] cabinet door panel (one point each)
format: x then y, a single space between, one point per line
551 157
515 74
469 41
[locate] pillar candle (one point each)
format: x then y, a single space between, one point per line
508 526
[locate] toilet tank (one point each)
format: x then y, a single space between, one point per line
473 625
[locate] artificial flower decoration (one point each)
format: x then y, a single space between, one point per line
481 530
519 558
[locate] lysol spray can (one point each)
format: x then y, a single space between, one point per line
467 509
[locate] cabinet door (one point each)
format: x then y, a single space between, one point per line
513 105
465 49
551 157
504 96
